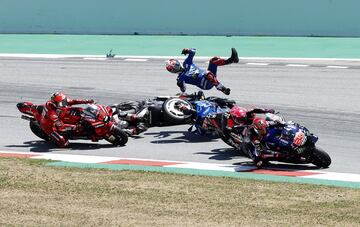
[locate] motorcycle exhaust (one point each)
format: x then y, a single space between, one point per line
27 118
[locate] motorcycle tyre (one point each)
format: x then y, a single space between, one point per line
320 158
170 116
121 137
35 128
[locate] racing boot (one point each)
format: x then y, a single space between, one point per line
59 140
223 89
130 132
233 58
93 138
141 127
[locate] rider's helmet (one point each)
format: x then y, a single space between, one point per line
59 99
238 114
173 66
260 126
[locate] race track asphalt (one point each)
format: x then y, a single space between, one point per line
326 100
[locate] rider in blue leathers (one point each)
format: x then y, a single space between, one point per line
268 136
189 73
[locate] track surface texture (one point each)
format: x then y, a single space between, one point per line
326 100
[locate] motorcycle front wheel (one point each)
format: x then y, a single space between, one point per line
320 158
118 138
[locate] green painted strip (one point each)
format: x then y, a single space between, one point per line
209 173
300 47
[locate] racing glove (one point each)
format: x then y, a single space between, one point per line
185 51
223 89
272 111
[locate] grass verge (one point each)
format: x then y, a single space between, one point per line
33 194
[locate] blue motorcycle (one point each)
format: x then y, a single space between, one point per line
198 109
292 143
205 115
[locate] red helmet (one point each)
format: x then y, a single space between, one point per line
173 66
260 126
238 114
59 99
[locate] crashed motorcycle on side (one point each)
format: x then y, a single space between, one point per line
207 117
160 111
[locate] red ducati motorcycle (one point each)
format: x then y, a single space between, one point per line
96 121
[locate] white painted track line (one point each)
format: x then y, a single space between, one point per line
95 59
336 67
255 63
296 65
135 59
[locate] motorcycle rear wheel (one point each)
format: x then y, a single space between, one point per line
35 128
320 158
173 114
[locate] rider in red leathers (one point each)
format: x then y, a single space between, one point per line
242 116
52 123
254 135
238 119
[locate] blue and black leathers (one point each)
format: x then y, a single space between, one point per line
194 75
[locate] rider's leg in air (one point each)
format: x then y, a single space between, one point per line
212 69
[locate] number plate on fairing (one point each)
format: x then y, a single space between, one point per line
299 139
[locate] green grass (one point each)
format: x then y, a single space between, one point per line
34 194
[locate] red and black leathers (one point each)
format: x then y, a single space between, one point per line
52 122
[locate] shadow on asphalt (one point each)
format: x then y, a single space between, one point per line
44 146
222 154
280 166
180 137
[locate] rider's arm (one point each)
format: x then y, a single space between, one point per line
181 84
260 111
191 53
258 148
79 101
62 127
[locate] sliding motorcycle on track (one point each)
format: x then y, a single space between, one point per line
204 113
285 142
96 121
162 110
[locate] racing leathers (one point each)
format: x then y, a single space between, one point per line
132 123
256 143
52 123
228 125
192 74
225 124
